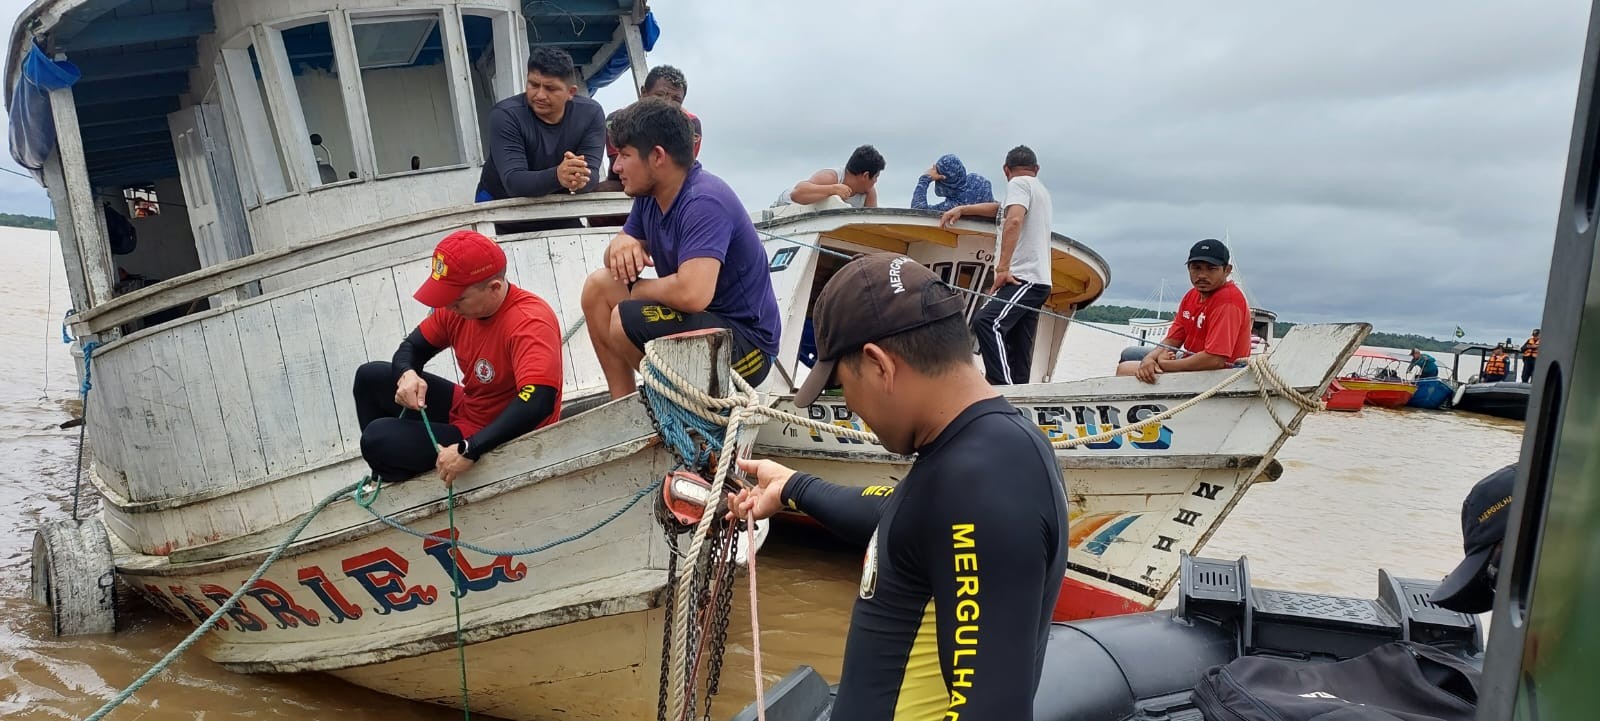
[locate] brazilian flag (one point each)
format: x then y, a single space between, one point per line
1460 333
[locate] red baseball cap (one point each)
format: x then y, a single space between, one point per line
462 259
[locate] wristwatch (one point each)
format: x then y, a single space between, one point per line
462 449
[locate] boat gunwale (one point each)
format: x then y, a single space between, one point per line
164 566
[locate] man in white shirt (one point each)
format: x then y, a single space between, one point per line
1006 324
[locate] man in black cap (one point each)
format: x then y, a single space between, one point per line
1484 515
1212 325
966 555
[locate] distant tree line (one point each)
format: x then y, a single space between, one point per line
26 221
1119 314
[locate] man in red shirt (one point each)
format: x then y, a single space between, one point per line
665 82
1213 323
508 344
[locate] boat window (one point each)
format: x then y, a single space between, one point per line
260 129
482 37
142 201
967 276
407 87
942 270
317 88
316 82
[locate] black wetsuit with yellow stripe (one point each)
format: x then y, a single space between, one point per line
964 562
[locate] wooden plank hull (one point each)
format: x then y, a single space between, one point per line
532 676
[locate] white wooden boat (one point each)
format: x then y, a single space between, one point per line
1136 502
214 428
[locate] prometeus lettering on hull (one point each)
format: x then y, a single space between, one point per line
963 542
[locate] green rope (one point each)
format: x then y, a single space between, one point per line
455 568
455 574
226 606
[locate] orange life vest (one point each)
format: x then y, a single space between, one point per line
1531 348
1496 365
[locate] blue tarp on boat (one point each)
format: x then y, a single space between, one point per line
33 130
649 32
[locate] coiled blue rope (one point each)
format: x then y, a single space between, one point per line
679 427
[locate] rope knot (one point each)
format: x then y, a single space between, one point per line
88 361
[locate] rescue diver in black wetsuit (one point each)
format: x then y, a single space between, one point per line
965 557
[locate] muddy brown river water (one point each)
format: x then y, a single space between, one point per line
1378 488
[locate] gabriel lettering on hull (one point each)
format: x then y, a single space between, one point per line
383 573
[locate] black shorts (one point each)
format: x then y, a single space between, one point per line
644 321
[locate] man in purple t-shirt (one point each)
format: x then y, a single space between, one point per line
711 269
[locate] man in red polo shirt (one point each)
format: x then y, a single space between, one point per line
669 84
508 344
1213 323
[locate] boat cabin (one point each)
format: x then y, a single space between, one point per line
179 135
1464 351
1263 329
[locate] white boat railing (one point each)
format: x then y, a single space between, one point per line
341 253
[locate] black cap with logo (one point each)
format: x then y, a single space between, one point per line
1484 516
1210 251
871 298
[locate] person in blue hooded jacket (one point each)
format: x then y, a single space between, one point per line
953 183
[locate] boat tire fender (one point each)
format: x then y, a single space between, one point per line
75 577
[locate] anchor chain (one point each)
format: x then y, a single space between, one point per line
711 598
723 608
666 626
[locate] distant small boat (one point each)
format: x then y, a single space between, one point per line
1263 330
1378 376
1340 398
1152 331
1432 393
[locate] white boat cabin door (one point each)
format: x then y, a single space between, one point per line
210 186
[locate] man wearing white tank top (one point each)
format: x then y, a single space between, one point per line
856 183
1006 325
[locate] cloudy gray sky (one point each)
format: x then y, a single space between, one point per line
1397 163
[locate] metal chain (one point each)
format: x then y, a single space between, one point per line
698 605
727 555
666 624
